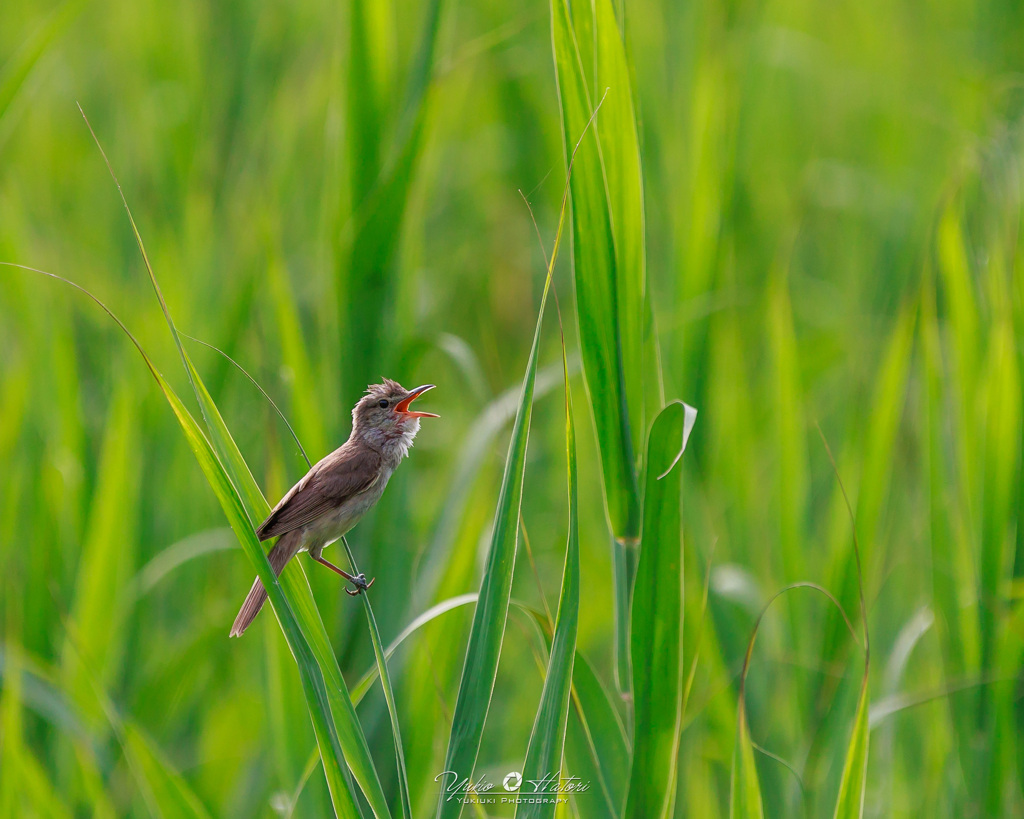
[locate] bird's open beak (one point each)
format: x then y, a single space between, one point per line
403 405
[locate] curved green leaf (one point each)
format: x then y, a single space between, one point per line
657 622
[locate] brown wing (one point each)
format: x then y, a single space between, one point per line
345 472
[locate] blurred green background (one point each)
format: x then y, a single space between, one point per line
832 196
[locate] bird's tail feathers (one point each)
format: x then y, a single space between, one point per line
283 551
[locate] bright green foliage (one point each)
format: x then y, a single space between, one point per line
603 339
810 215
616 328
657 622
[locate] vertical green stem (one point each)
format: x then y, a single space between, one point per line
389 694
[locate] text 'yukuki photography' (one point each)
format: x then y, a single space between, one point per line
592 409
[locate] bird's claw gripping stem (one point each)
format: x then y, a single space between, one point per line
359 581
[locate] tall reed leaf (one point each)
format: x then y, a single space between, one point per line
544 753
620 153
657 622
318 696
596 277
261 509
946 550
616 328
855 769
488 629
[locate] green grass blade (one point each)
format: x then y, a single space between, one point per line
303 628
621 362
389 694
381 184
1001 449
850 804
354 743
107 558
946 550
283 595
318 695
25 790
596 278
596 749
353 739
657 621
620 152
745 799
360 689
595 745
744 787
167 793
544 753
488 629
296 587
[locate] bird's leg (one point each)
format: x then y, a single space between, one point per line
358 580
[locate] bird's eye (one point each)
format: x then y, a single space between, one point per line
383 403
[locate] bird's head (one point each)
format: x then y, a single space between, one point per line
385 414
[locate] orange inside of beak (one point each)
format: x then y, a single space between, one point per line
403 405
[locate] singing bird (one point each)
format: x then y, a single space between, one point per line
341 488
